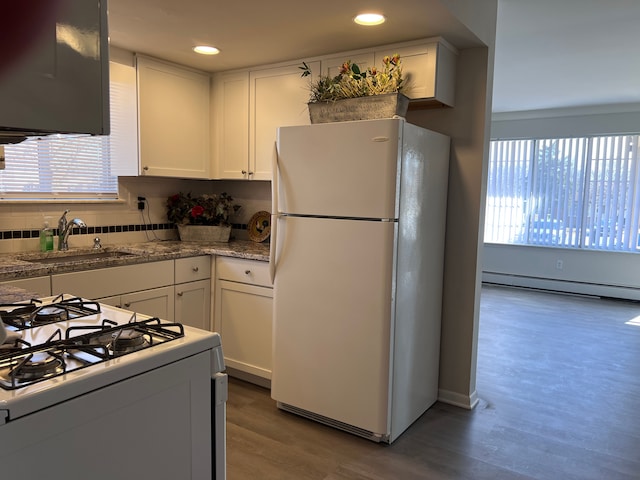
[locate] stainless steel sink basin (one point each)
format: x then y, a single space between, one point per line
76 257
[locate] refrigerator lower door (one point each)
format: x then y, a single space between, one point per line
332 319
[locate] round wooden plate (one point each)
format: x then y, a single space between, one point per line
259 226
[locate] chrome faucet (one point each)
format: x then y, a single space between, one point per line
64 229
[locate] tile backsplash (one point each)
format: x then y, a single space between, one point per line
120 221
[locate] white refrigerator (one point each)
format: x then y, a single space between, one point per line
357 241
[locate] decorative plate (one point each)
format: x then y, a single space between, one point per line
259 226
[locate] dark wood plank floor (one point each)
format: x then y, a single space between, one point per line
559 385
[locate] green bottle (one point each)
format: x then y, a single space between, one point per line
46 238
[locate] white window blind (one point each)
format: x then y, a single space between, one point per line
73 166
565 192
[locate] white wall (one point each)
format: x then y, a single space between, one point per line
252 196
611 274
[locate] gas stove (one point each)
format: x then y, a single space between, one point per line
57 335
71 367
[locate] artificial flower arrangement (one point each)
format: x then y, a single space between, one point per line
207 209
352 82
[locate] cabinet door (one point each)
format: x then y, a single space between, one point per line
277 97
158 302
244 320
230 145
173 116
331 66
193 304
429 71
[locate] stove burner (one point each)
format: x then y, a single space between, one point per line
36 366
18 316
49 314
128 340
23 316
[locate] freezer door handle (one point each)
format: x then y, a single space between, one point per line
274 212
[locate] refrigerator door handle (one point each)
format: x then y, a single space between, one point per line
275 173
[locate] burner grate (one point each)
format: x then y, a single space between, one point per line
21 316
82 346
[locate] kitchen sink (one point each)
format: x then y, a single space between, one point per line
76 257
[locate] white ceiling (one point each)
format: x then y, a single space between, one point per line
549 53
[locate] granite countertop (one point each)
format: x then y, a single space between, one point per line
25 265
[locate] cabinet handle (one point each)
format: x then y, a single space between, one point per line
244 172
145 168
247 272
195 269
180 294
250 173
127 305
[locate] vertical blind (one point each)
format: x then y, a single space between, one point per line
565 192
76 166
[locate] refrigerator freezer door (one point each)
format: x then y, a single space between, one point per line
332 319
345 169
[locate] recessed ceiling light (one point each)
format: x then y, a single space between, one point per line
206 50
369 19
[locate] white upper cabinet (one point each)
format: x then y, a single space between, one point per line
248 107
277 97
428 67
230 140
331 66
429 70
173 120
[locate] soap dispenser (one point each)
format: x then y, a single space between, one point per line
46 238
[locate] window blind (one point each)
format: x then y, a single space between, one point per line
565 192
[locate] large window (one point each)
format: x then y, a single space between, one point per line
565 192
73 166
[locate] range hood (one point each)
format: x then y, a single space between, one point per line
56 79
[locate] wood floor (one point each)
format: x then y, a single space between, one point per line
559 385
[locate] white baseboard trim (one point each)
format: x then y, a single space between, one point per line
458 399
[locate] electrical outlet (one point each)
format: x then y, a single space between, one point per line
559 264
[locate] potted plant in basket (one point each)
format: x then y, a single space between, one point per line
204 218
379 91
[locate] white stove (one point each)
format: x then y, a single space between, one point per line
88 378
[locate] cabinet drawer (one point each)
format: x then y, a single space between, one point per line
108 282
193 268
252 272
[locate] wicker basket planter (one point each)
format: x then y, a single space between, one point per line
371 107
204 233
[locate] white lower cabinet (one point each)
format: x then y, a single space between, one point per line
177 290
157 302
193 291
193 304
243 315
